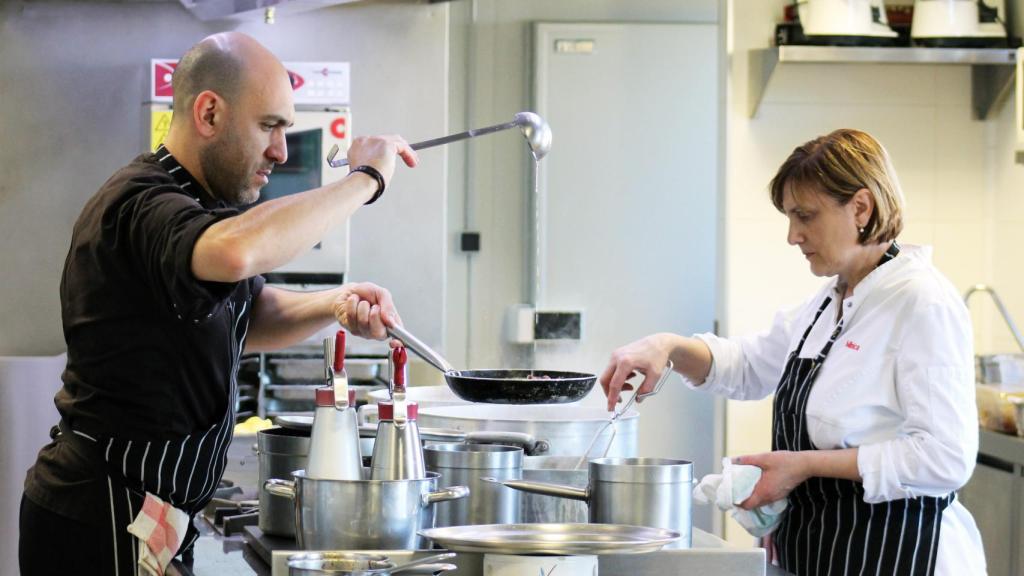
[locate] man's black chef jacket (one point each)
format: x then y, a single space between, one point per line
151 351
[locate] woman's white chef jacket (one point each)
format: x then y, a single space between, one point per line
898 384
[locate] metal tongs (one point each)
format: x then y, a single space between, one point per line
635 397
535 129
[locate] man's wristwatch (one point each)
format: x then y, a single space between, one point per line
376 175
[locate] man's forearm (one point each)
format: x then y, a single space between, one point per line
274 233
282 318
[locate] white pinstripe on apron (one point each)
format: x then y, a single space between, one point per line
183 471
828 528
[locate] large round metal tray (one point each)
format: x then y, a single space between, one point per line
551 539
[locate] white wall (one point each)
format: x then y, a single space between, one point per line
957 199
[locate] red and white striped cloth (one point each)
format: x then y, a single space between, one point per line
159 527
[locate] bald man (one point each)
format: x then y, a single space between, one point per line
162 294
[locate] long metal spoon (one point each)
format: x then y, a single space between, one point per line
636 396
535 129
435 559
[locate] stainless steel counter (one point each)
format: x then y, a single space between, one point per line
217 555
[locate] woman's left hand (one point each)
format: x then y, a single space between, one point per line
782 471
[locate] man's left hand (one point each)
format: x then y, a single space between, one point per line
366 310
782 471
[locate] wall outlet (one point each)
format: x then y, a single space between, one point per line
558 325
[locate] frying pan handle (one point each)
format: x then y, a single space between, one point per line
420 349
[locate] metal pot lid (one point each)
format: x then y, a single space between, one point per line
552 539
301 423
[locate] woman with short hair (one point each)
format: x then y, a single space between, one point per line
874 421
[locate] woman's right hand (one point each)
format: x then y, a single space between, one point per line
647 356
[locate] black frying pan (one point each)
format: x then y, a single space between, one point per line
503 386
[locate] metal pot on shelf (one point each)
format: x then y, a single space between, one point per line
378 514
652 492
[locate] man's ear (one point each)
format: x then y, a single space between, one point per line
208 113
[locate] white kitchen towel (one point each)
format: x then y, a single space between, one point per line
734 485
159 528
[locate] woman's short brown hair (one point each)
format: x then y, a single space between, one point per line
838 165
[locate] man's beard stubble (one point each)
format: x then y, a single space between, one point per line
224 167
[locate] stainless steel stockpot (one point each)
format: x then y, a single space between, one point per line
465 464
280 451
652 492
567 429
362 514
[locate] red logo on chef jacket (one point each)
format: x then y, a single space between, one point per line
162 72
296 80
852 345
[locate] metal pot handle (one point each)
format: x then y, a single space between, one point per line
530 445
449 493
431 569
544 488
282 488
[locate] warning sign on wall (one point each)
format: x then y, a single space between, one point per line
159 123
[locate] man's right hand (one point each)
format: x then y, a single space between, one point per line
366 310
380 152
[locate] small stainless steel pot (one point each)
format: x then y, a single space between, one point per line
280 451
652 492
362 514
488 503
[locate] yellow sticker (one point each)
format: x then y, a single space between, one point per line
160 123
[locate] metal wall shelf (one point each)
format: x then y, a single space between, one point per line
992 69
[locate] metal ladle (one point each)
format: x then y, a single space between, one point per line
535 129
615 416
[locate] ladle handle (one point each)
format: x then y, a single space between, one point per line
657 388
422 350
337 163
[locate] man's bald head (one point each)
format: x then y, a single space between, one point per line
222 63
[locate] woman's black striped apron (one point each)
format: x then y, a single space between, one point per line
184 472
828 528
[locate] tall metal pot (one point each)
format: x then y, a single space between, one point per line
363 514
636 491
280 451
567 429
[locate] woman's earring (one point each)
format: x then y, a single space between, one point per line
862 230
